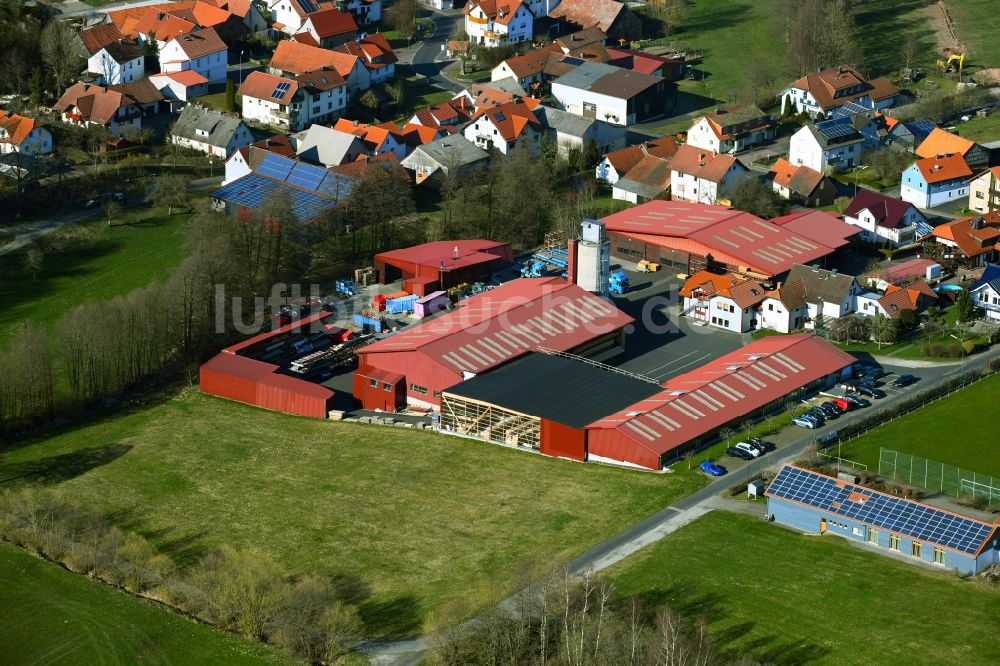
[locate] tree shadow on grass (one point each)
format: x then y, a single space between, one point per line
396 617
66 466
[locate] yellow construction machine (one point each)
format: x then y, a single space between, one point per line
954 63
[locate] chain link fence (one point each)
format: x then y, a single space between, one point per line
939 476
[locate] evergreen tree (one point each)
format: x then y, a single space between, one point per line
230 95
963 306
36 87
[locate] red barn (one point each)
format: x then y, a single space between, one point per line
494 327
443 264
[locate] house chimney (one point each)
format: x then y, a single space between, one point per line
833 273
815 268
454 253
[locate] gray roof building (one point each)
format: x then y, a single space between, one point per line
324 145
203 125
821 284
450 152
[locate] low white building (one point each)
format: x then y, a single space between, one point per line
20 134
934 181
497 22
985 292
503 127
732 130
573 132
376 54
203 52
829 146
180 86
293 103
829 295
701 176
722 301
365 12
784 309
209 131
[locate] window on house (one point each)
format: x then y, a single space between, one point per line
437 394
418 389
387 388
374 383
872 536
857 531
938 555
893 542
916 548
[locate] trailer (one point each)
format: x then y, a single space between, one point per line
373 324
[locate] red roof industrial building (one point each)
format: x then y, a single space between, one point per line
443 264
683 236
235 374
570 409
490 329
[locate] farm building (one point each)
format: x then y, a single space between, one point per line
541 402
256 371
686 237
490 329
443 264
819 504
571 409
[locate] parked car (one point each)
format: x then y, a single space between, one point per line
833 406
818 420
818 413
843 404
710 468
804 422
856 401
759 449
743 446
738 453
904 380
761 444
871 391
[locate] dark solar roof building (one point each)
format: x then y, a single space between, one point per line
819 504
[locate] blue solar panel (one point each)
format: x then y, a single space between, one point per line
336 186
920 128
838 128
905 517
850 109
307 176
275 166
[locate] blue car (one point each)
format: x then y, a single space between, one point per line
710 468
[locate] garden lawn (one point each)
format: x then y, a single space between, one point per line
414 520
786 598
56 617
417 95
957 430
91 261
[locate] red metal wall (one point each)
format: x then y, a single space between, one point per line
609 443
562 441
225 385
417 368
376 397
253 382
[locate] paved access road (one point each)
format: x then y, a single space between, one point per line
430 59
791 442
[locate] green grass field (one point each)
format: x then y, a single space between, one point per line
416 519
55 617
89 261
786 598
956 430
977 23
419 95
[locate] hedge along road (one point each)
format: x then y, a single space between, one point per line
791 443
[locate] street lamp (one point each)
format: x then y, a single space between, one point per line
961 344
241 66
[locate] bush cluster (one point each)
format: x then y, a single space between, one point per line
234 590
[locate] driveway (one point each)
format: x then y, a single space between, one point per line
430 58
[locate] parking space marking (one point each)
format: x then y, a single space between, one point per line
676 360
678 369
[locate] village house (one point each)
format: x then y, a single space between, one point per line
701 176
915 297
20 134
446 116
502 127
647 180
825 147
247 158
86 104
330 27
247 11
450 155
784 308
202 52
534 68
985 292
885 219
162 23
379 139
326 146
612 18
973 241
934 181
375 54
820 93
732 130
110 56
289 16
293 103
984 191
940 142
292 58
801 185
829 294
365 12
612 94
723 301
180 86
617 163
209 131
572 132
496 22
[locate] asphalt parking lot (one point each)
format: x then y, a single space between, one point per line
663 344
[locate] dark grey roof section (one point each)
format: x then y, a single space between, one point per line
821 284
556 388
454 150
220 127
564 122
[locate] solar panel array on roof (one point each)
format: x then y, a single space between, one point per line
894 514
280 90
838 128
275 166
307 176
850 109
308 6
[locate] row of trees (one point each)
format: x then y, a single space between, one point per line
579 622
820 33
231 589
